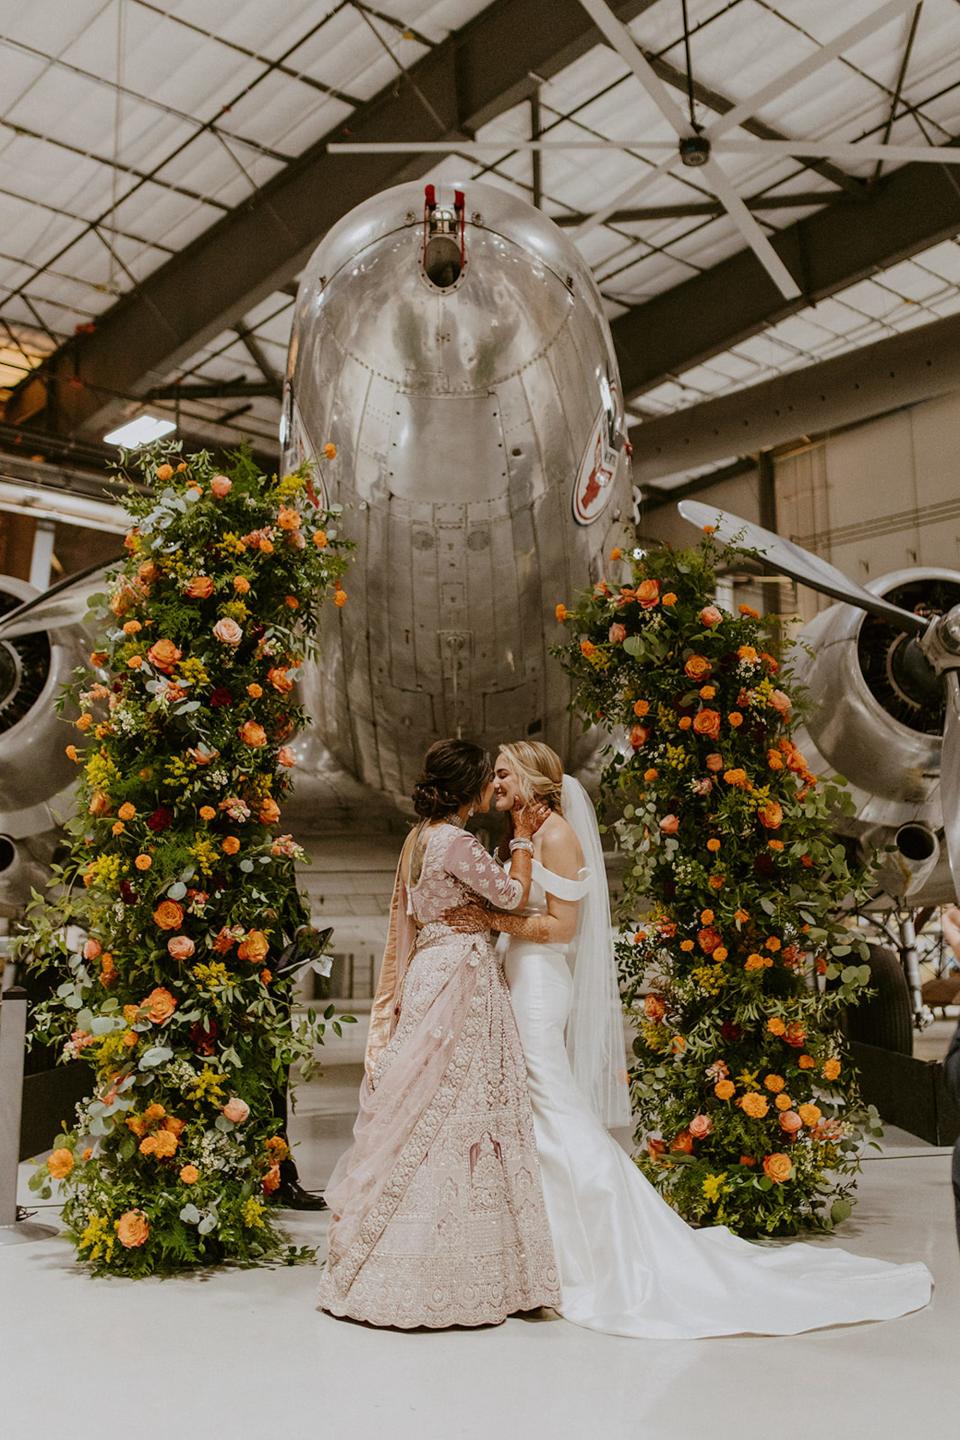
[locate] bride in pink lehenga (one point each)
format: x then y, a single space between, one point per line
437 1208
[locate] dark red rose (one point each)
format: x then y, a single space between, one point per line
161 819
127 893
203 1038
220 696
730 1031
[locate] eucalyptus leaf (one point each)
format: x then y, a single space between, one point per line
177 890
156 1055
208 1223
190 1215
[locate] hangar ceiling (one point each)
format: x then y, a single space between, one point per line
164 173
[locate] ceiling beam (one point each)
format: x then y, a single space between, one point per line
905 369
848 240
478 73
216 390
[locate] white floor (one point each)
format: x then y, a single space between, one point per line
244 1355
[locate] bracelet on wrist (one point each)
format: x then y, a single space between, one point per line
521 845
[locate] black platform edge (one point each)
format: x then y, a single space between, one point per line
908 1092
49 1099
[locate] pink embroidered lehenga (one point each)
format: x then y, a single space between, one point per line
438 1215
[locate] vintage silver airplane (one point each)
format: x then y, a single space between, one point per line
452 344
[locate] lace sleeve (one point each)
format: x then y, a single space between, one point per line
467 861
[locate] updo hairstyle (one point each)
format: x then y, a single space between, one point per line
454 773
539 772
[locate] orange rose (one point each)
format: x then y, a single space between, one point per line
199 588
320 540
653 1007
639 735
269 812
99 803
288 518
252 734
771 815
271 1181
650 774
230 845
807 1062
60 1163
266 976
754 1104
682 1143
163 655
189 1174
735 719
648 594
133 1229
697 668
724 1089
168 915
254 947
749 610
684 722
831 1069
339 597
737 778
641 708
159 1005
795 1034
809 1114
279 679
707 722
777 1168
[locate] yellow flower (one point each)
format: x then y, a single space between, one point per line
713 1186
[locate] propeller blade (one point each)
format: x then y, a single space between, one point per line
63 604
950 776
798 563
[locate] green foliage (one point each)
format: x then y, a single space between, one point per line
175 926
747 1108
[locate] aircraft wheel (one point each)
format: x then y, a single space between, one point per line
886 1018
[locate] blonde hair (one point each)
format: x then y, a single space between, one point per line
539 772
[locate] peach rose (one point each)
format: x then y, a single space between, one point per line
754 1104
159 1005
780 702
777 1168
790 1122
236 1110
697 668
639 735
132 1228
60 1163
707 722
271 1181
189 1175
617 633
648 594
99 803
227 631
700 1126
180 947
254 947
168 915
710 616
199 588
288 518
670 824
92 949
163 655
252 734
285 756
220 487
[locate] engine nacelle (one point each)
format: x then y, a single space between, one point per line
459 357
877 720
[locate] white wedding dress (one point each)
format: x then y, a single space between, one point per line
629 1265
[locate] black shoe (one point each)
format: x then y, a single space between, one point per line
292 1196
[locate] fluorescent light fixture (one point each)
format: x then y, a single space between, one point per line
142 431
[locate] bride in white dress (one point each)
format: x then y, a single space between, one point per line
629 1265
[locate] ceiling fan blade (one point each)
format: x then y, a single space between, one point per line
617 35
798 563
63 604
950 776
745 109
751 231
841 150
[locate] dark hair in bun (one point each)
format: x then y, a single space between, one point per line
454 772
